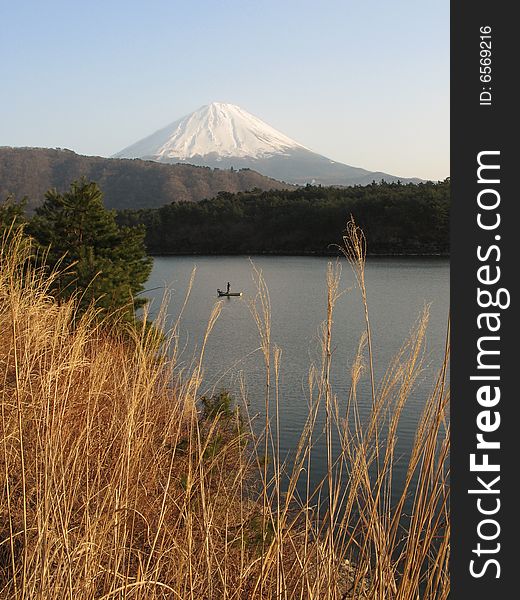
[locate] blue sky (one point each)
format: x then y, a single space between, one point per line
364 82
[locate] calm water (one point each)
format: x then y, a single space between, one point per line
398 289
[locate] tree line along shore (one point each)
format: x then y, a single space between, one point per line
398 219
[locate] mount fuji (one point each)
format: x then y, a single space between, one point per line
225 135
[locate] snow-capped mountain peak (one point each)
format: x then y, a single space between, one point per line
220 129
226 136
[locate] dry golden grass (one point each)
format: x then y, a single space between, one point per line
113 485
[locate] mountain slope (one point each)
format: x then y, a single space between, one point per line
225 135
125 183
225 130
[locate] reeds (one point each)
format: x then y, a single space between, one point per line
115 484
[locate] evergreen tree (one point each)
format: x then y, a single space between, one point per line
11 215
397 218
100 262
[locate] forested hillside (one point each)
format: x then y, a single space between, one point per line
396 219
126 184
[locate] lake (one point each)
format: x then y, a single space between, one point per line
398 289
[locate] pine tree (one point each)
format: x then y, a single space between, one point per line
99 262
11 215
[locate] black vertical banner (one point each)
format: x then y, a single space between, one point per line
485 237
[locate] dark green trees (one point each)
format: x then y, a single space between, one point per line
11 215
100 262
396 219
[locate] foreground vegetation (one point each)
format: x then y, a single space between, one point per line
118 481
396 218
96 261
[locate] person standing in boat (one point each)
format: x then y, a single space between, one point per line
228 287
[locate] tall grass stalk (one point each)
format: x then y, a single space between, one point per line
115 483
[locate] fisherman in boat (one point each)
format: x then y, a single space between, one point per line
228 293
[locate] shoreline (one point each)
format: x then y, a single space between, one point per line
445 255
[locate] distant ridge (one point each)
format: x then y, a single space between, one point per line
225 135
126 184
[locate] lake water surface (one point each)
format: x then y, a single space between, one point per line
398 289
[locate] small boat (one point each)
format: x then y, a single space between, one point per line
227 294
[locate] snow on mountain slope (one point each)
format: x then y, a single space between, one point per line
223 129
224 135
